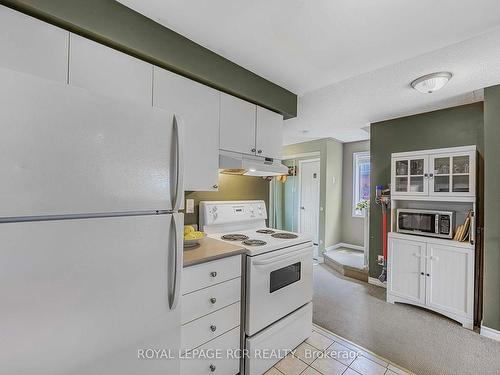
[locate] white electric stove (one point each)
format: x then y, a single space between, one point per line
278 277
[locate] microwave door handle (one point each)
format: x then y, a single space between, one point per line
437 229
277 258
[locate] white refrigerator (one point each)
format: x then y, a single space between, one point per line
90 236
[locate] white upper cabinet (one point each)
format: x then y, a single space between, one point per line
237 125
198 105
32 46
108 72
441 174
269 133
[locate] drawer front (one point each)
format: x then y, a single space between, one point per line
225 365
207 274
210 326
208 300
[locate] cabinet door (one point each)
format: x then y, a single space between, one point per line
237 125
452 174
406 266
269 133
108 72
409 176
450 279
199 107
32 46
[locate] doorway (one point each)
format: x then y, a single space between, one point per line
309 186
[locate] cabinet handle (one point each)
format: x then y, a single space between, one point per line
422 273
253 150
212 368
215 186
259 152
432 257
213 274
426 175
428 275
417 255
431 175
213 328
213 300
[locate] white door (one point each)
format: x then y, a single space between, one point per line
108 72
84 296
406 269
199 107
237 125
32 46
309 198
450 284
65 151
269 133
453 174
409 176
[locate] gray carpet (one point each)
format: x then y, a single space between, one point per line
421 341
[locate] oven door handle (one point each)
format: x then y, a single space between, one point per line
277 258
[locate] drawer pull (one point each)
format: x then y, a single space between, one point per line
212 368
213 300
213 328
213 274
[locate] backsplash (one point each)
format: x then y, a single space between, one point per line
231 187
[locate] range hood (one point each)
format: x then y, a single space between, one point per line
235 163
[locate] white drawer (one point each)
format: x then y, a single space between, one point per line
205 301
207 274
210 326
225 365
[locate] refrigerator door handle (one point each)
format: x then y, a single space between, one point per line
179 180
177 268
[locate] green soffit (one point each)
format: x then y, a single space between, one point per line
113 24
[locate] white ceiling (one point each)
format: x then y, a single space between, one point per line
341 48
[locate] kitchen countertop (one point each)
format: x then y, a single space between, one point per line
210 249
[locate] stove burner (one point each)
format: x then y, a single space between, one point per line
265 231
284 236
234 237
254 242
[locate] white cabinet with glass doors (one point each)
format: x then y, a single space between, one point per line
447 173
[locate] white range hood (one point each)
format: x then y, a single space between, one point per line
247 165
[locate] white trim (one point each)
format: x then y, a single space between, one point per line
313 154
377 282
299 192
343 244
434 151
355 180
490 333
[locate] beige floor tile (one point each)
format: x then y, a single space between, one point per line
341 353
367 367
319 341
311 371
272 371
291 365
307 353
350 371
329 366
389 372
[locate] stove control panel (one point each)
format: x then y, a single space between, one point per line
224 212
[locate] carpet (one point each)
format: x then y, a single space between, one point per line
419 340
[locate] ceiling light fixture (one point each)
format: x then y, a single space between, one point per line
431 82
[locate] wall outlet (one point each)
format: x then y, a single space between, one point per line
380 260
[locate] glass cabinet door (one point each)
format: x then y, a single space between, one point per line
452 174
441 174
460 174
409 175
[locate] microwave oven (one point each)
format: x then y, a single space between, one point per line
426 222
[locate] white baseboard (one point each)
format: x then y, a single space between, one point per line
490 333
377 282
347 245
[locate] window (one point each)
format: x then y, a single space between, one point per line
360 180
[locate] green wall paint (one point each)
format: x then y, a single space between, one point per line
230 188
330 152
491 280
457 126
113 24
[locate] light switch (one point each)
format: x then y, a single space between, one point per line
189 206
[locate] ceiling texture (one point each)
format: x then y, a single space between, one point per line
350 61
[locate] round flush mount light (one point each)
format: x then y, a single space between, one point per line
431 82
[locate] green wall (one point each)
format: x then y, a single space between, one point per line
491 280
457 126
230 188
113 24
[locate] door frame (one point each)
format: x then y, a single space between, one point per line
299 191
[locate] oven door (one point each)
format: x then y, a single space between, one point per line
278 283
417 222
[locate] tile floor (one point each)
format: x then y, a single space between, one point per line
325 353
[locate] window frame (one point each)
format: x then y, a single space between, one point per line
357 158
